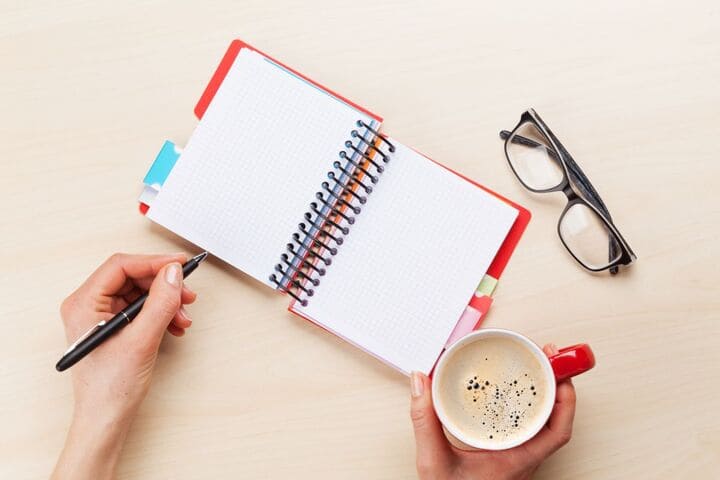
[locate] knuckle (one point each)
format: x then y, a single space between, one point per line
564 437
571 395
116 257
67 307
418 416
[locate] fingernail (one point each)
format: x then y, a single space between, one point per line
554 349
416 385
173 274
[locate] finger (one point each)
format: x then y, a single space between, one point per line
112 275
175 330
561 419
126 288
550 349
558 430
182 319
120 302
188 294
432 448
162 304
117 304
133 295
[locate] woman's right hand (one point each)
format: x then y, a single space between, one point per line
437 459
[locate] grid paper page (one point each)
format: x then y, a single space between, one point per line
253 164
411 262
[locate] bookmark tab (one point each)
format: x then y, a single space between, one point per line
487 286
162 166
471 318
158 173
475 311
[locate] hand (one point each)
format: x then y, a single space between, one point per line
437 459
110 383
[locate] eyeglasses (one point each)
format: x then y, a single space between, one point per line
543 165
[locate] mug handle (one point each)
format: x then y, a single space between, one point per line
571 361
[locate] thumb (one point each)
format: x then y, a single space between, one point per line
431 445
162 304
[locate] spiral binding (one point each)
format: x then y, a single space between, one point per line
331 214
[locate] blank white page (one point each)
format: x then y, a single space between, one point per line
253 164
411 262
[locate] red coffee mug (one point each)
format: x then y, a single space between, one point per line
568 362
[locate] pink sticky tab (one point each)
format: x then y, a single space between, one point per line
468 320
471 318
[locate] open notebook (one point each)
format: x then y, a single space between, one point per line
295 186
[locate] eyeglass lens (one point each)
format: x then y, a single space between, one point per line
587 237
533 159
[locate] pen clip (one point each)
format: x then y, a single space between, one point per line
84 336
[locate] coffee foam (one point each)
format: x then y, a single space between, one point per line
494 389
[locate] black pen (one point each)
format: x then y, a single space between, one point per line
103 330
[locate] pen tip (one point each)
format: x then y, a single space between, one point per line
201 257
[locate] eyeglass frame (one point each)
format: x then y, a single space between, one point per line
576 191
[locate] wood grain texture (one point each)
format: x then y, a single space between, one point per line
89 90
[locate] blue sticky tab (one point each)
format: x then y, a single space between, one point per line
163 164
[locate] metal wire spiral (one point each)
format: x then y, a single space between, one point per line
332 213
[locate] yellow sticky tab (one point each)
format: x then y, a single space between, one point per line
487 286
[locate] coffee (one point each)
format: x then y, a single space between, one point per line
494 389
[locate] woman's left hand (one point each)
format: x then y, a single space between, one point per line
111 382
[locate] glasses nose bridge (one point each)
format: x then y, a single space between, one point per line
569 192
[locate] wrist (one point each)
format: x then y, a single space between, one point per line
93 447
118 415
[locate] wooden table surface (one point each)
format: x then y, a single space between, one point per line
89 91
